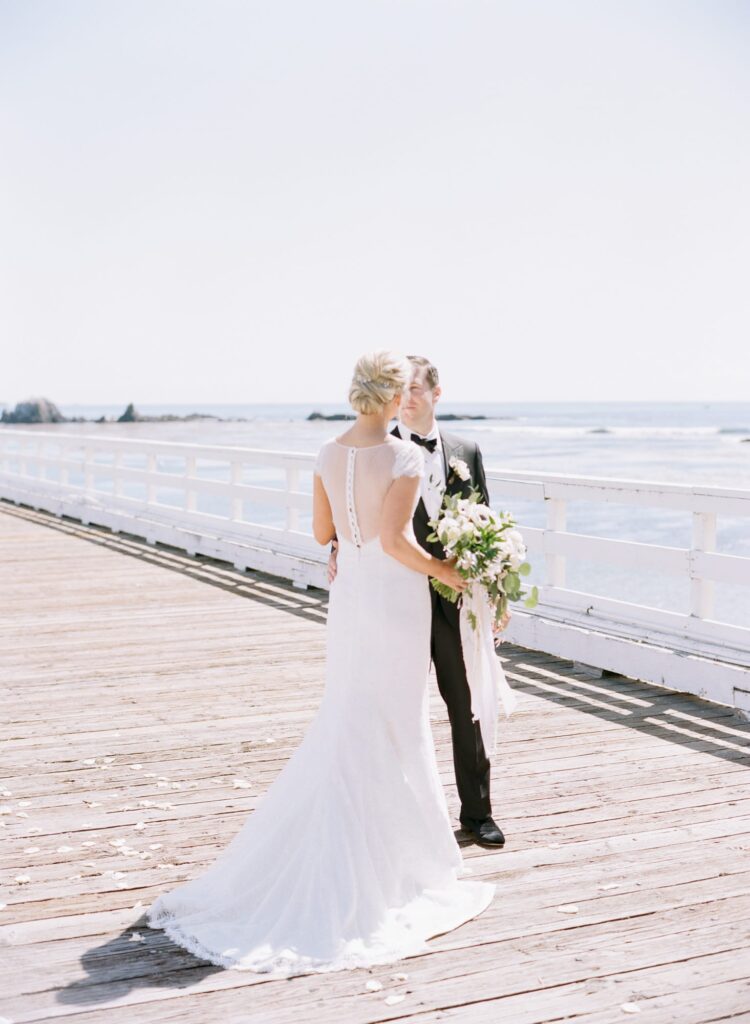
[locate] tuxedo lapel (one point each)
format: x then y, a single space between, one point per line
453 448
420 513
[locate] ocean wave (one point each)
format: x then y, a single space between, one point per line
540 430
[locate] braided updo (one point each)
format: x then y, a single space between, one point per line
378 377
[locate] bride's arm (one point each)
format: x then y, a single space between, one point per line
323 529
397 534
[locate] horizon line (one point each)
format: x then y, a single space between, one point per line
451 401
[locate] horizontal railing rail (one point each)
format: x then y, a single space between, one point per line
252 507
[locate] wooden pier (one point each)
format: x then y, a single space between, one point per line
150 697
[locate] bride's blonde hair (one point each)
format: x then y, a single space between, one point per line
378 377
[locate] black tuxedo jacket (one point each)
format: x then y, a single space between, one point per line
469 452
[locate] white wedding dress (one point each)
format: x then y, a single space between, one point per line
349 858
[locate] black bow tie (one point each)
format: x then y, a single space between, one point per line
430 444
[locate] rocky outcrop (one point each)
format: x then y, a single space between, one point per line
130 415
464 416
34 410
332 416
440 416
41 410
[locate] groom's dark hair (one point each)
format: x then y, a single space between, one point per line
430 372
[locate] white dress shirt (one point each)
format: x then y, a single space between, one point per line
432 484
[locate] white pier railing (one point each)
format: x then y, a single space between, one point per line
252 508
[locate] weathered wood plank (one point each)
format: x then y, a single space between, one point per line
630 803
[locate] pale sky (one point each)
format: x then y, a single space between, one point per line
230 200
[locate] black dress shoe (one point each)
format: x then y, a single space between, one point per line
484 830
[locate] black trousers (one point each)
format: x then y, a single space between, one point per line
470 761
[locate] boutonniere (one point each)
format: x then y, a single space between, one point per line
460 468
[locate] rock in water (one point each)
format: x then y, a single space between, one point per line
130 415
333 416
34 410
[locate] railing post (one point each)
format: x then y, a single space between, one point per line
3 458
555 563
116 478
116 485
62 478
151 537
88 482
702 590
292 484
151 469
88 471
235 478
189 490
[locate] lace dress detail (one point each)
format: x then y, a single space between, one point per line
409 461
373 869
357 480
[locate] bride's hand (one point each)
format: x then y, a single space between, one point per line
450 575
332 562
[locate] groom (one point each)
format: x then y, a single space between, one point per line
417 423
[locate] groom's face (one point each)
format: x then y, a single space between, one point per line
419 401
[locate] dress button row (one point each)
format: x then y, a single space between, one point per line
353 525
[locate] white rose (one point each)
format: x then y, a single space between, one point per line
496 566
450 531
460 468
468 560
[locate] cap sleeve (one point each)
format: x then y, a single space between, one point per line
409 460
318 467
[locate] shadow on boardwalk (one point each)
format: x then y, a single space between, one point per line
679 718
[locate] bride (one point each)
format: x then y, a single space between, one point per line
349 858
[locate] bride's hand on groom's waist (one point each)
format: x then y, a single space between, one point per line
332 561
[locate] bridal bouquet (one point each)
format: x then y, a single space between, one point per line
490 555
489 552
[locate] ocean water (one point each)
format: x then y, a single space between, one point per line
691 443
